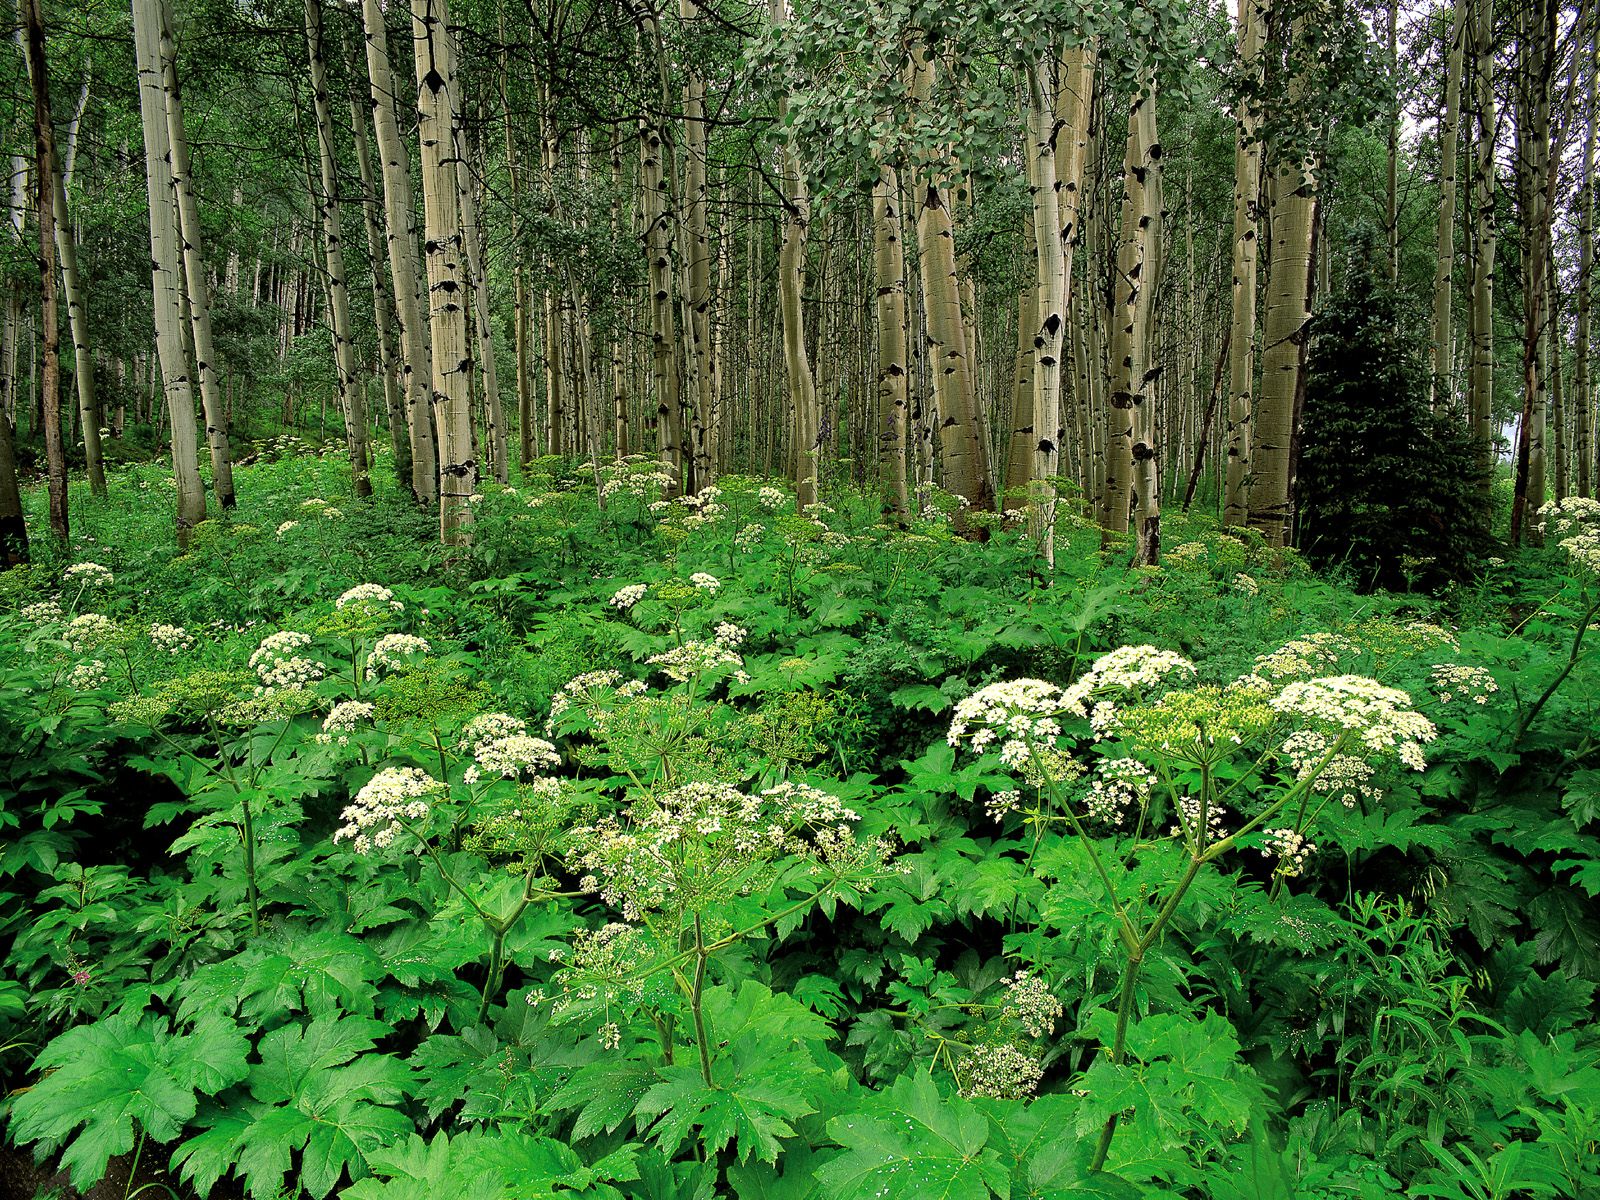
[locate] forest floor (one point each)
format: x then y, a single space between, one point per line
698 847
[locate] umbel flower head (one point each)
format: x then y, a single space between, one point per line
395 796
1381 717
89 574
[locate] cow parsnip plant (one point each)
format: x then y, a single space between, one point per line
687 847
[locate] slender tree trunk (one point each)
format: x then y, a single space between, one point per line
352 387
166 267
1581 386
791 290
1253 17
893 402
1480 403
383 307
438 132
663 316
46 172
1449 136
477 265
1289 284
416 361
1132 286
695 251
1050 306
1146 477
197 282
1535 54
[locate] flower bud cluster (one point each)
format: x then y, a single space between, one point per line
696 658
87 676
343 720
1003 1072
1290 848
45 612
1119 785
1030 1003
89 574
1452 682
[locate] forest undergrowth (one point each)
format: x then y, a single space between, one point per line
681 848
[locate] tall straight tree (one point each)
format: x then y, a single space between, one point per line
416 370
1253 15
889 266
196 279
439 135
807 420
1050 304
1485 240
1449 136
352 386
1283 348
166 269
45 173
1584 434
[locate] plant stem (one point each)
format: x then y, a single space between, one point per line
696 993
250 865
496 960
1572 661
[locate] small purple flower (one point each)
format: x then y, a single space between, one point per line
80 976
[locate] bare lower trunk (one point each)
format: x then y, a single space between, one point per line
1480 403
890 269
1449 135
1246 243
46 172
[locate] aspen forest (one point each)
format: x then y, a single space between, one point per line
799 600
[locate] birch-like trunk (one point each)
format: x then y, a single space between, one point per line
1449 136
1246 243
438 133
352 387
166 268
416 360
1480 402
663 316
196 281
889 265
1583 448
1050 306
1536 40
694 241
807 421
1283 349
494 448
383 308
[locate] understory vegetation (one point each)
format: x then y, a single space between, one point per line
693 847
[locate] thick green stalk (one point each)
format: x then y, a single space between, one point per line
1572 661
696 996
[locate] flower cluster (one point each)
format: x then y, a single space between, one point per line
369 595
696 658
87 676
1190 827
489 727
1020 713
91 631
1306 656
343 720
391 798
287 527
89 574
625 598
705 842
705 582
511 756
749 537
730 635
1343 775
637 477
1381 717
279 665
171 639
1574 514
1118 785
1452 682
393 650
1004 1072
1031 1004
1246 584
45 612
1290 848
772 498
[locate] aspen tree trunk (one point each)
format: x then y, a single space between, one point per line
1253 16
964 452
1146 479
416 361
78 325
197 285
352 388
619 375
1019 454
383 307
695 250
46 173
1553 342
166 268
1392 190
1074 102
1581 387
1289 280
1480 401
1128 400
438 130
1449 135
1050 307
477 265
802 387
1535 51
663 317
889 265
